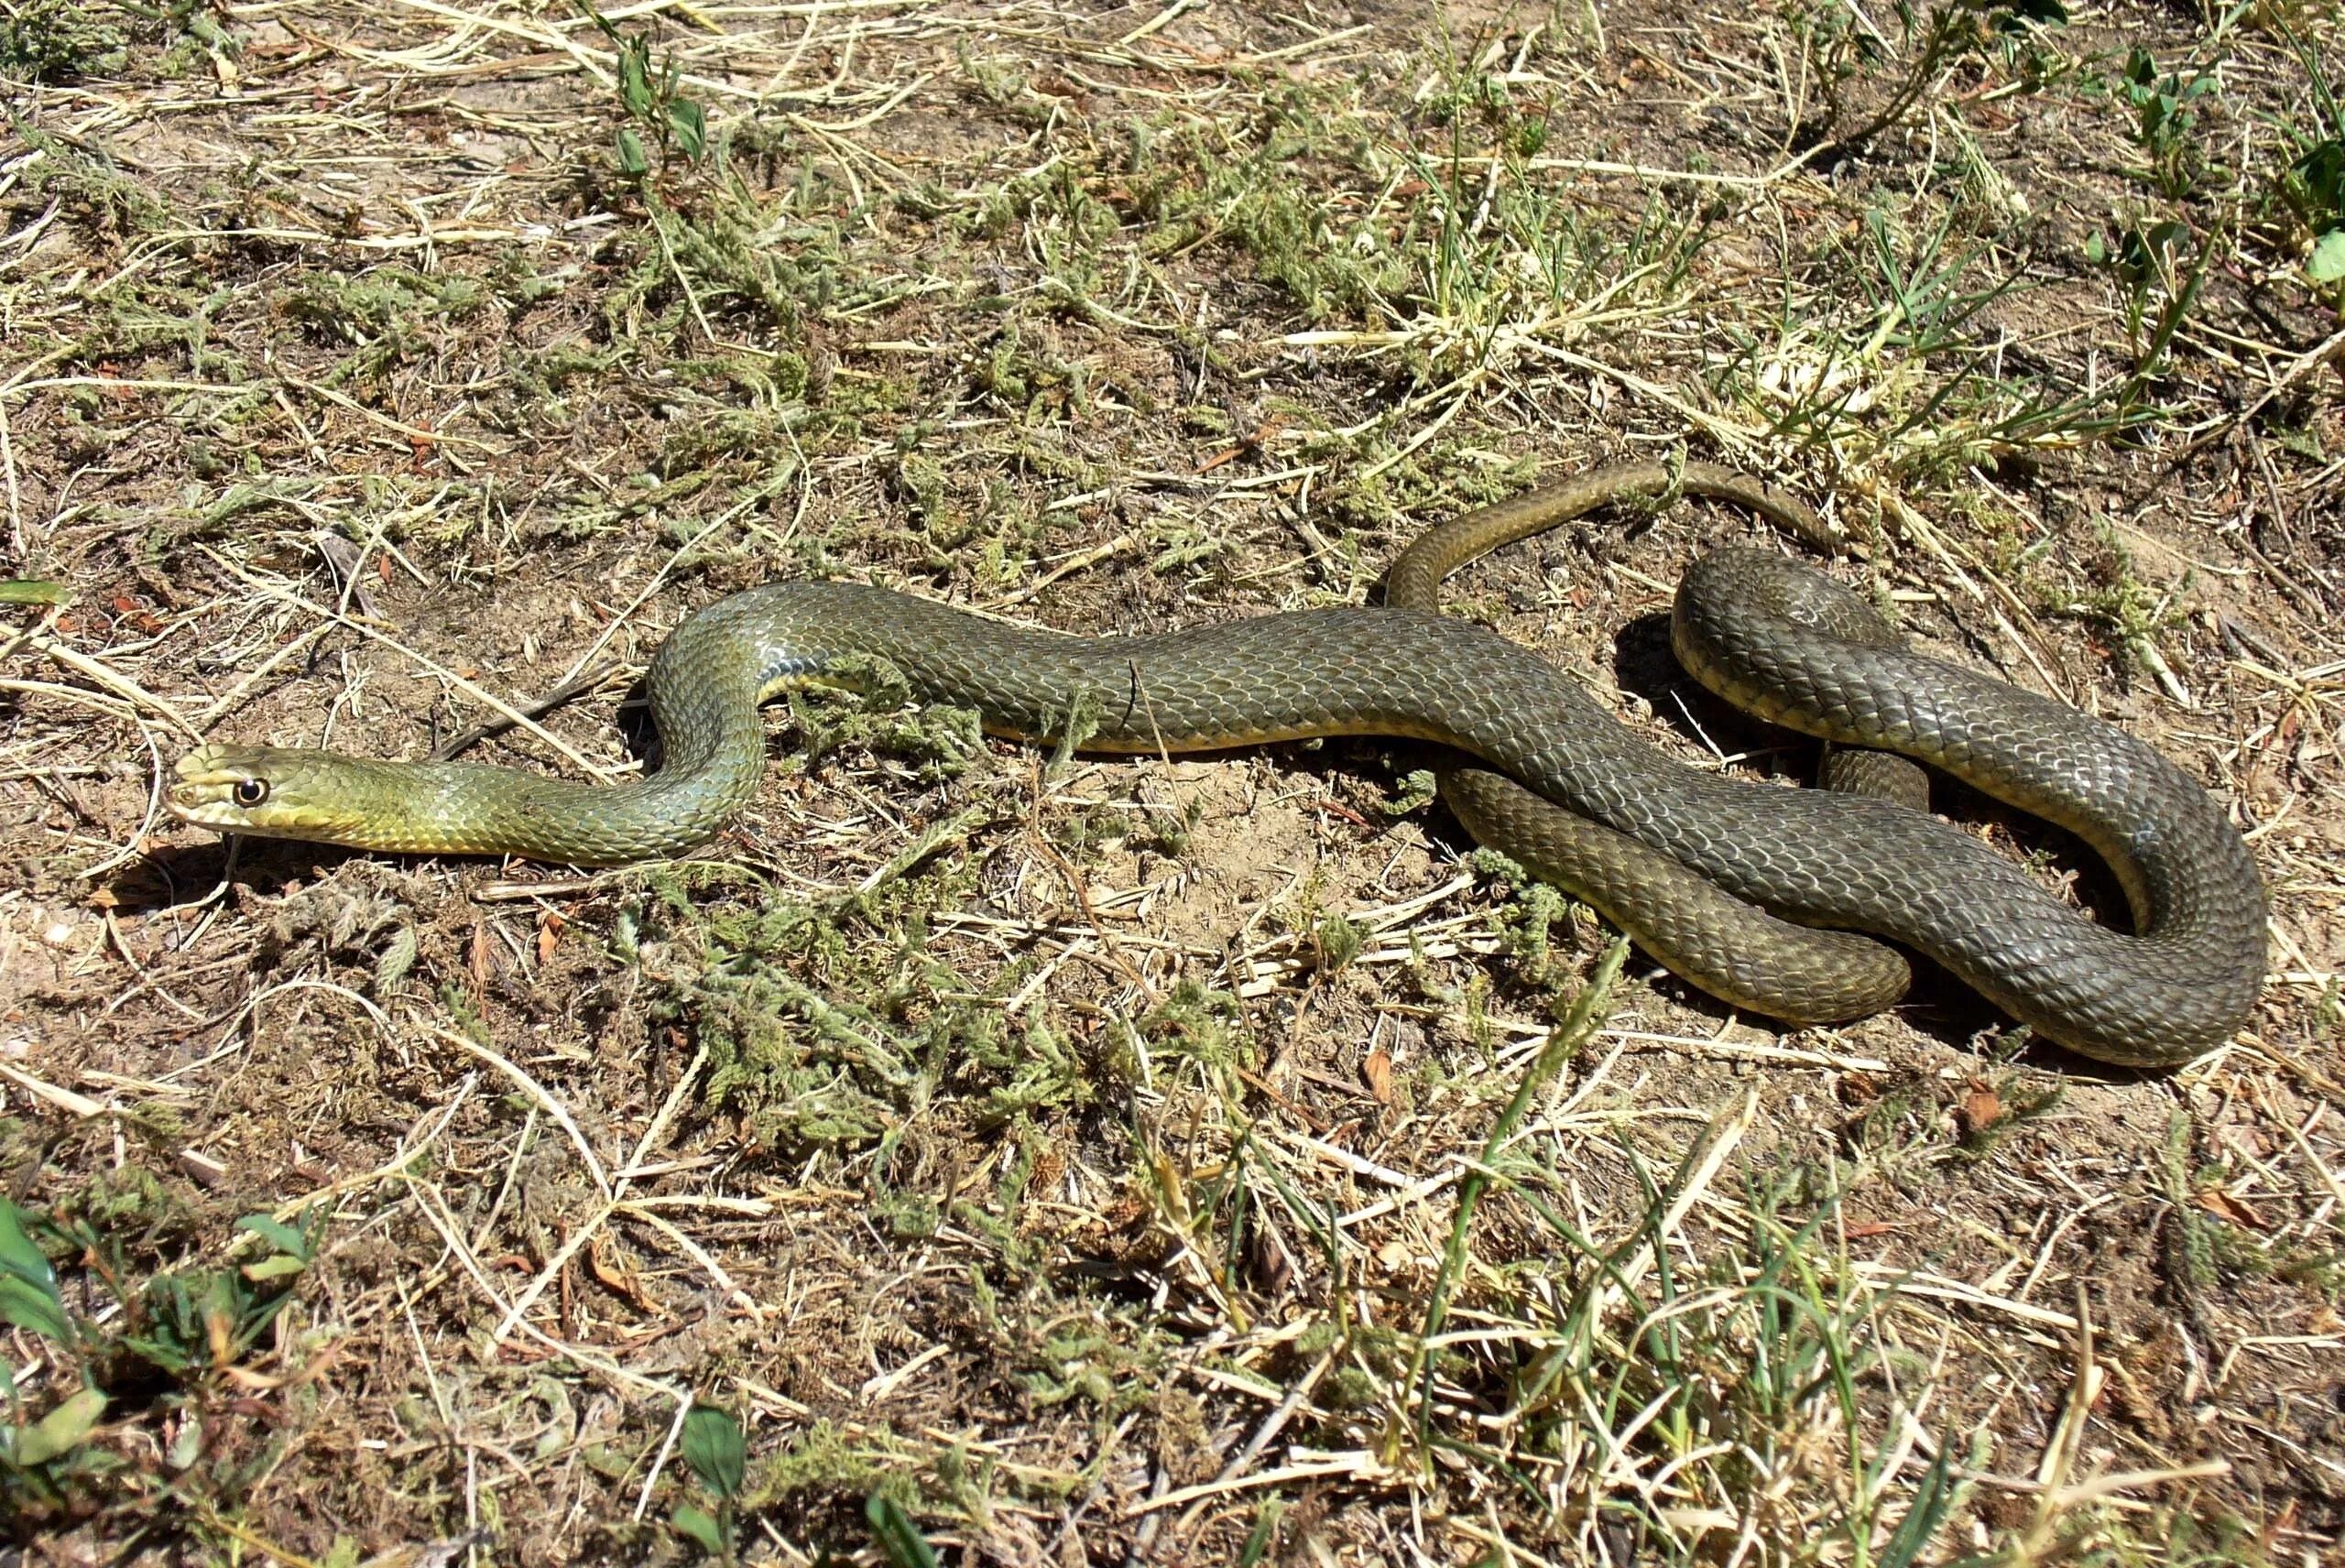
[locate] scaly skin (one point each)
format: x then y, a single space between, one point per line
1684 860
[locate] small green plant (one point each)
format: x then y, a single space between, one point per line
2149 263
2314 185
38 1458
716 1454
2143 257
1952 33
2321 173
1569 1035
675 124
57 40
162 1349
1926 291
2166 114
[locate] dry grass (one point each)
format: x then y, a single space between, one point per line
1199 1162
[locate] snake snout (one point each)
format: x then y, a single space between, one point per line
246 789
208 784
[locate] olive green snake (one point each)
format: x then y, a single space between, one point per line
1765 896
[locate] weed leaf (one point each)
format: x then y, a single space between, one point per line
714 1449
279 1235
28 1295
690 125
690 1520
59 1432
2327 263
634 78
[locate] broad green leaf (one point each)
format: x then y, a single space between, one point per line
690 125
29 1307
29 1294
714 1448
690 1520
276 1268
631 159
635 79
61 1430
31 591
2326 264
277 1234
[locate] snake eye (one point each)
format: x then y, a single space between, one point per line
251 792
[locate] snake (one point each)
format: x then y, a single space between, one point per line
1799 904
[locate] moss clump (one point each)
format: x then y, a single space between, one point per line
57 40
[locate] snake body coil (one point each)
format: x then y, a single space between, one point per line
1677 856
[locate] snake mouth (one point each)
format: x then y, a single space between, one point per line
184 805
227 789
203 791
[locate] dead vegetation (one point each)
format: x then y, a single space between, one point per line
1013 1157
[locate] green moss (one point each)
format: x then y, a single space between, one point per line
384 314
96 194
58 40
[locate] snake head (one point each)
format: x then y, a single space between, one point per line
271 791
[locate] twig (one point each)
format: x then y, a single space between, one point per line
521 711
